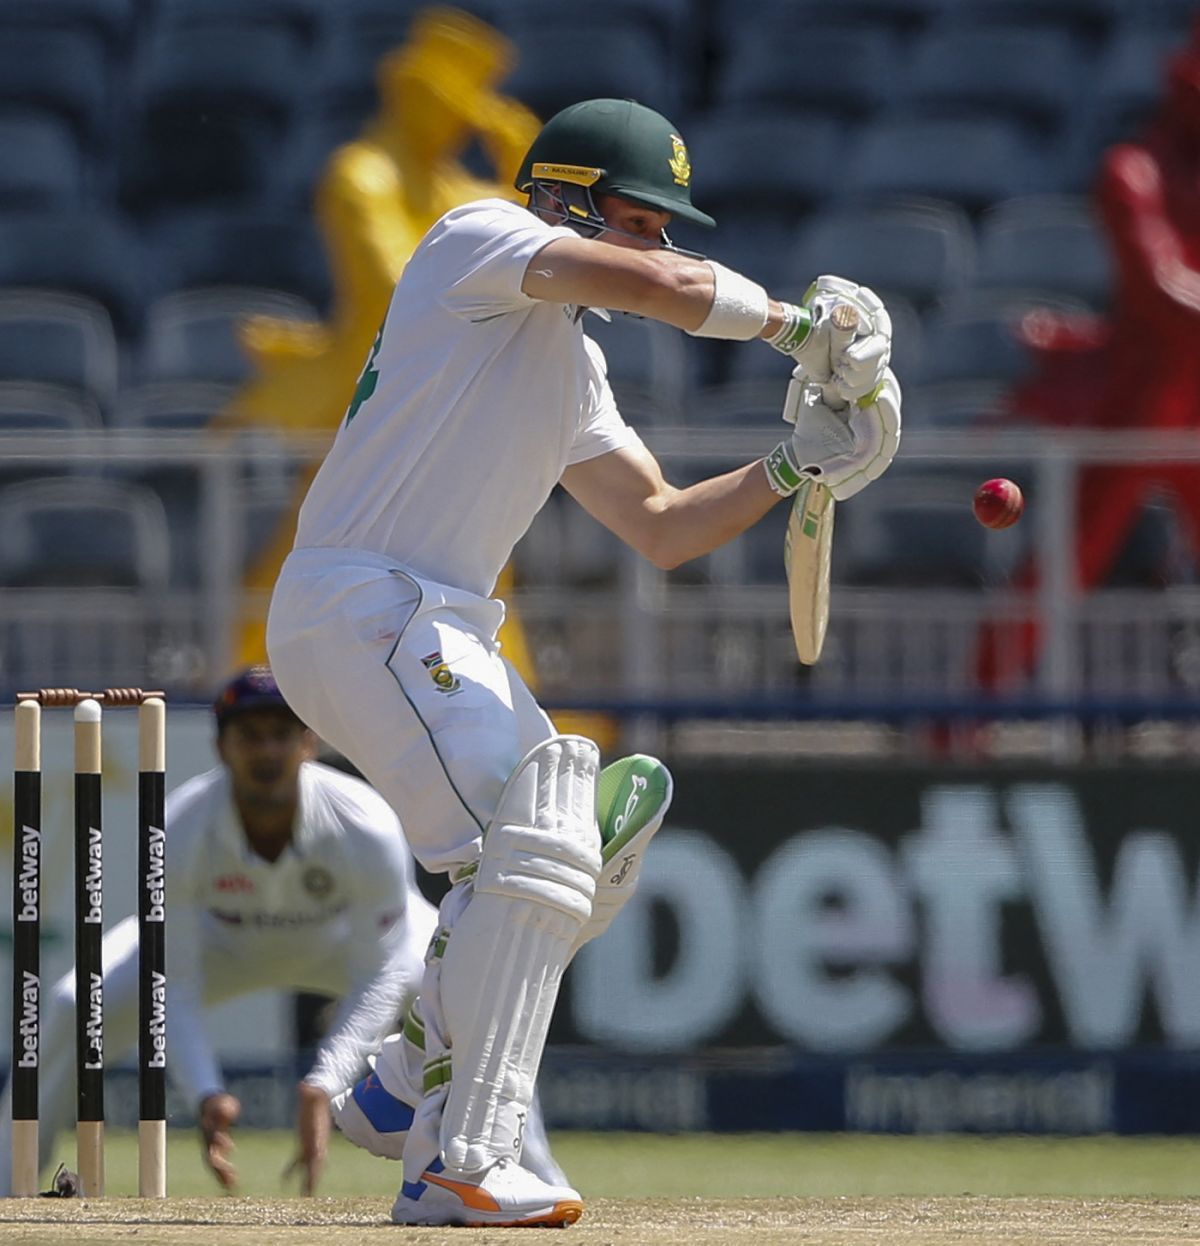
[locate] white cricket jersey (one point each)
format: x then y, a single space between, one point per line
333 912
475 399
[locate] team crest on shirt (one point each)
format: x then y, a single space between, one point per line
443 677
317 881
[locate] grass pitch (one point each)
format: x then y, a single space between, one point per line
694 1190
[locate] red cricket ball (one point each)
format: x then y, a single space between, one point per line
998 503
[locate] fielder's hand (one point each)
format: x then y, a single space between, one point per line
851 362
313 1124
844 446
218 1115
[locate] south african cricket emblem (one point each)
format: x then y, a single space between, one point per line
680 164
443 677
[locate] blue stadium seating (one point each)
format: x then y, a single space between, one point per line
92 254
385 23
40 165
669 21
898 17
1044 245
303 19
60 71
170 406
763 67
191 335
1089 19
559 65
920 251
61 339
111 21
30 406
272 250
773 164
75 531
973 338
1033 75
647 365
972 161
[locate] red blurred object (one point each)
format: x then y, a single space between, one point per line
998 503
1139 367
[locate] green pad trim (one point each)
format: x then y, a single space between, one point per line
629 794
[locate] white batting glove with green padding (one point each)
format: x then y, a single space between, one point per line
843 446
851 362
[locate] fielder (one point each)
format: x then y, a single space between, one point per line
481 393
281 874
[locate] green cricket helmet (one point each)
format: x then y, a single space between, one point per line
617 147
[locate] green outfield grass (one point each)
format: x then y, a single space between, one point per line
637 1166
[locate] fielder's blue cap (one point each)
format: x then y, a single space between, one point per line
252 689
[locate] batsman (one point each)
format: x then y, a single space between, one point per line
482 392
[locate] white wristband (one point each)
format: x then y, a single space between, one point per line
739 307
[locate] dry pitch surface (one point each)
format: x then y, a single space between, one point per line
654 1222
819 1190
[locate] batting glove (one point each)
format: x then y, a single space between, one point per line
852 361
843 445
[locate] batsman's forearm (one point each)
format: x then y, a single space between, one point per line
703 517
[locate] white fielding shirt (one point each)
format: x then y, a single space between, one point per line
475 399
335 911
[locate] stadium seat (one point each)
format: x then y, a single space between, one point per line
385 23
897 17
760 68
646 365
1044 245
565 546
27 406
112 21
58 71
170 406
1033 75
77 531
557 66
955 404
310 145
921 251
668 21
1088 19
61 339
92 255
762 164
209 116
191 335
303 19
973 339
971 161
40 165
272 250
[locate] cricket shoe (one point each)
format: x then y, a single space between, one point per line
505 1195
373 1118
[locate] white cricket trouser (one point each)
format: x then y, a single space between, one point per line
405 678
227 974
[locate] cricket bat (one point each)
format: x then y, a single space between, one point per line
808 547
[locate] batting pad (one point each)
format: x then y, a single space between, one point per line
506 953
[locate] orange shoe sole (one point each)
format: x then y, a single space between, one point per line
558 1217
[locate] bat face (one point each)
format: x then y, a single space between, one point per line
808 547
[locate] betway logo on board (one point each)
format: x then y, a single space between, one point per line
991 926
